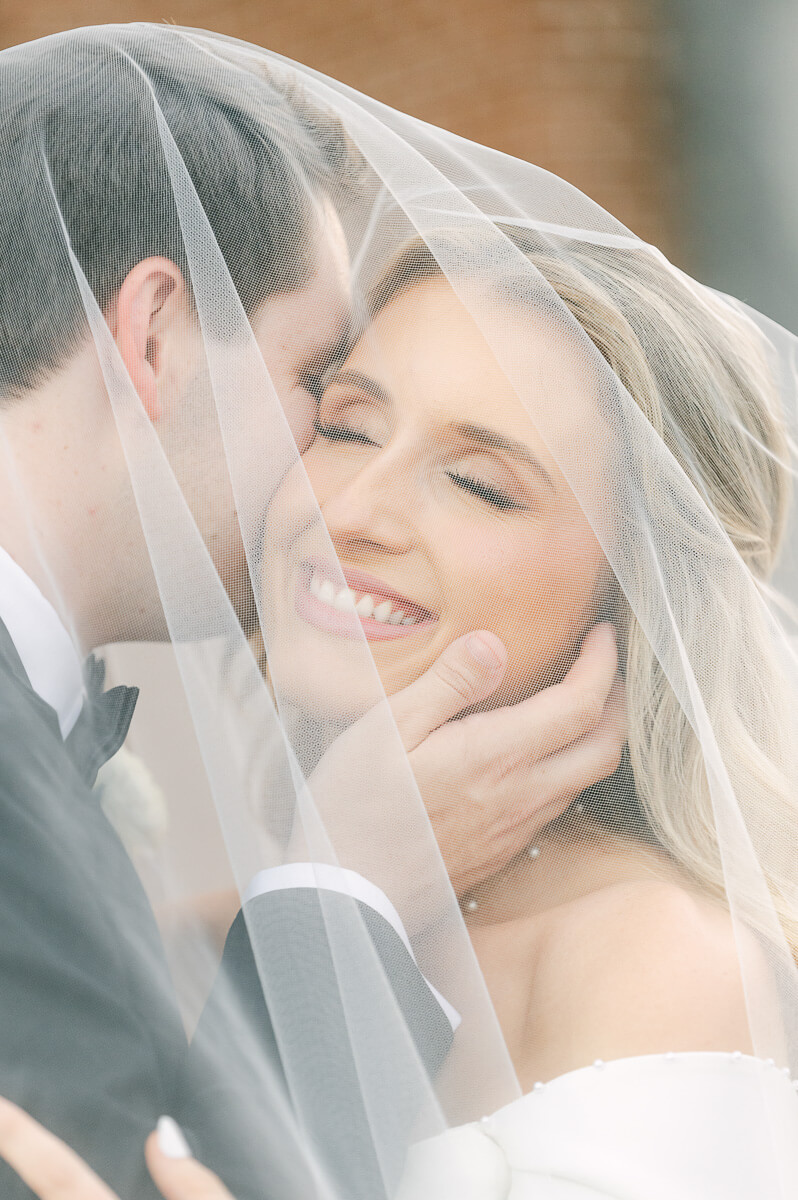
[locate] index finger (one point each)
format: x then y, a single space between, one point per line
558 715
49 1167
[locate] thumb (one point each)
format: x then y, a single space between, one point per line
468 671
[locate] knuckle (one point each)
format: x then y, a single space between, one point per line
478 790
501 771
457 678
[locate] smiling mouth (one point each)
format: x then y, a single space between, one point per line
365 603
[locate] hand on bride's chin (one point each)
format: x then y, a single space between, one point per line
493 779
489 781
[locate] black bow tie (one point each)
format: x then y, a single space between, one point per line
103 723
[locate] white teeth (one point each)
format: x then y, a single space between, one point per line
364 606
345 600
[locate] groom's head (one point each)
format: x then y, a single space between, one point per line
88 126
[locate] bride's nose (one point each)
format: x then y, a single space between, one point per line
375 505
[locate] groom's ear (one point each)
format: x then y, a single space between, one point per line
149 303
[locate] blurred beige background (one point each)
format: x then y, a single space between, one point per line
577 86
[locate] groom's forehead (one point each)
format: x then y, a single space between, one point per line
323 329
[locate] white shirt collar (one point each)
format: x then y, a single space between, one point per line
46 650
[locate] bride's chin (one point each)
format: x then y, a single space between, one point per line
321 699
336 688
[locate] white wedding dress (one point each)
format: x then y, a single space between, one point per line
694 1126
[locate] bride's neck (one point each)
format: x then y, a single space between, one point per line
560 866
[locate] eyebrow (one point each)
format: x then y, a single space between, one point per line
482 436
364 382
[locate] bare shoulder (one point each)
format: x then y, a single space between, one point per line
634 968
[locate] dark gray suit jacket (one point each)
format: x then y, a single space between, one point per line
91 1042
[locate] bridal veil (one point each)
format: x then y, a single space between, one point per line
669 412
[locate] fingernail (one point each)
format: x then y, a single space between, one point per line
481 649
171 1139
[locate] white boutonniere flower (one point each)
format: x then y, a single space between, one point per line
133 802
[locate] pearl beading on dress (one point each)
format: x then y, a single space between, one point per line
735 1056
513 1151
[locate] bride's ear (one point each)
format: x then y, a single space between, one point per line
150 301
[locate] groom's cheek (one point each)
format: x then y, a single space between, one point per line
291 510
300 409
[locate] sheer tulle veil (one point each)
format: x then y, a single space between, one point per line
662 418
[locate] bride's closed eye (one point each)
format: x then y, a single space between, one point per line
485 491
342 433
488 479
347 417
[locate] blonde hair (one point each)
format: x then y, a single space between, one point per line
706 390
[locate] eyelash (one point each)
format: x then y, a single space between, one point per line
483 491
340 433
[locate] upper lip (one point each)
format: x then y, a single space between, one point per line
362 581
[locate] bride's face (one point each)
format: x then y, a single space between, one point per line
443 506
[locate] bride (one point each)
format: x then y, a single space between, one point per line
542 430
608 947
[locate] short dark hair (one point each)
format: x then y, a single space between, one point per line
77 108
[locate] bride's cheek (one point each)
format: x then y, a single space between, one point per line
299 495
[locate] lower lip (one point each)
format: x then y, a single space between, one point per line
347 624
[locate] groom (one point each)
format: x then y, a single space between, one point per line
90 1044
